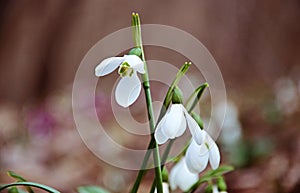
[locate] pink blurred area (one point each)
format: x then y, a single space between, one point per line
255 43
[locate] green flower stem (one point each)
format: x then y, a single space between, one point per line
146 85
163 160
40 186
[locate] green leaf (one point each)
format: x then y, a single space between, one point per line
211 174
91 189
177 96
13 190
32 184
19 179
221 184
16 176
198 119
16 190
184 68
220 171
195 97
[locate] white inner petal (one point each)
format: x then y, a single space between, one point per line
174 175
186 178
182 127
108 65
197 157
214 153
159 135
197 133
128 90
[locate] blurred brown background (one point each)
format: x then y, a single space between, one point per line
255 43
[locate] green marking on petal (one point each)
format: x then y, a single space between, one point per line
125 70
206 144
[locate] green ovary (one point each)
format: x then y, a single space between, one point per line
125 70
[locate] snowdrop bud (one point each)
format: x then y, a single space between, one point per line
165 175
135 51
177 96
221 184
209 189
198 119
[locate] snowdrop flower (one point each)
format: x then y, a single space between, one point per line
232 129
286 95
174 124
165 188
129 87
197 156
181 177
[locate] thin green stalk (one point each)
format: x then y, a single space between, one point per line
146 85
143 169
163 160
167 101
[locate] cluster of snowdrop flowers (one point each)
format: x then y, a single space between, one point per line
201 150
129 87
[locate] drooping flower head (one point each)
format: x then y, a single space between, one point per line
175 122
129 87
197 156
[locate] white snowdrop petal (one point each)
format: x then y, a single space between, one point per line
108 65
139 68
214 156
182 128
214 153
215 189
197 133
173 121
181 177
187 178
135 62
165 187
128 90
159 135
197 157
174 175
